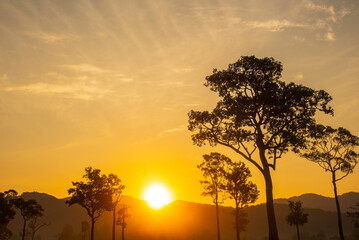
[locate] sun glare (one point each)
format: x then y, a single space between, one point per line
157 196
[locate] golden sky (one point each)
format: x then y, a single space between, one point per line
109 83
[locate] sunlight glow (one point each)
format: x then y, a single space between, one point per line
157 196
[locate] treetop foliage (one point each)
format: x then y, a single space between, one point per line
257 111
333 149
296 216
91 194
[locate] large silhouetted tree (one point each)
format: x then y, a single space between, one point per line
93 195
213 170
115 186
296 217
238 188
29 209
334 151
6 212
258 116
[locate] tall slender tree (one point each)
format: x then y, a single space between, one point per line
334 150
238 188
35 224
93 195
213 169
296 216
258 116
123 215
28 209
115 187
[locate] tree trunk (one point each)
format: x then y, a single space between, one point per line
272 225
237 223
341 234
23 229
33 235
298 232
218 231
123 232
114 223
92 228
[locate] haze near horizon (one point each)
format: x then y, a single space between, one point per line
109 84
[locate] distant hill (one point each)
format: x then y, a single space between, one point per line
311 200
183 220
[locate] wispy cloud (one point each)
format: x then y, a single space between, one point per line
274 25
183 69
86 68
332 13
177 129
51 37
78 90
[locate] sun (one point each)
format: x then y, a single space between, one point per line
157 196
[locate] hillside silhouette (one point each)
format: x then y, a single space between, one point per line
188 220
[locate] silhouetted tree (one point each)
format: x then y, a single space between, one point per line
93 195
334 151
122 219
6 213
28 209
296 217
258 115
67 233
355 215
35 224
115 187
240 190
213 168
85 226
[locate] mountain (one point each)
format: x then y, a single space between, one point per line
311 200
183 220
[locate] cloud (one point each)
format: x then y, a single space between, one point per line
193 104
183 69
177 129
123 78
51 37
333 14
78 90
86 68
274 25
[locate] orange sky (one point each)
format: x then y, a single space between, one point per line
108 84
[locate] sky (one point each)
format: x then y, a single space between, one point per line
109 84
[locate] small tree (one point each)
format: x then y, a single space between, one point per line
355 215
213 168
258 116
296 216
240 190
29 209
93 195
115 187
334 151
122 219
35 224
85 226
